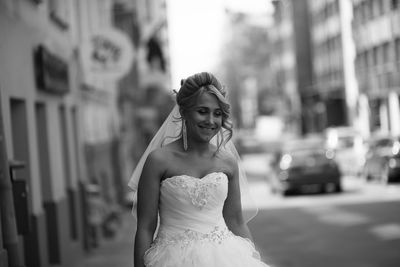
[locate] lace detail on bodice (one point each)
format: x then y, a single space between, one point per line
217 235
197 189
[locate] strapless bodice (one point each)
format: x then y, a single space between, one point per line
190 203
192 230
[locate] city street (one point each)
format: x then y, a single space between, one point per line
363 234
357 228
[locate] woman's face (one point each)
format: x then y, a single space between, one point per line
204 120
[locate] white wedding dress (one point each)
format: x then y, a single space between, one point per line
192 231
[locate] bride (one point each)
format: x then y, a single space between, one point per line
190 187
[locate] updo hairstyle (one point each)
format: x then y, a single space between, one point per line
198 84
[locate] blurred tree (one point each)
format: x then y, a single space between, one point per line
245 54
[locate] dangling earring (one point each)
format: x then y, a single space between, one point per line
184 135
218 138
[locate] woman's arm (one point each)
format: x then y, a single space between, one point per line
233 207
147 206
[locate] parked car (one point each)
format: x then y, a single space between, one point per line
349 147
383 160
305 166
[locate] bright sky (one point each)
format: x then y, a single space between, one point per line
196 32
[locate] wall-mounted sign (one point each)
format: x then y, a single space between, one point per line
107 54
51 71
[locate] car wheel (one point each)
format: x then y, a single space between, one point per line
338 188
286 193
329 188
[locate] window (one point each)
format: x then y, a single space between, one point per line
375 8
375 56
385 53
397 49
365 60
395 4
367 10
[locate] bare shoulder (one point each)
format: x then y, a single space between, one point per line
163 155
157 161
229 161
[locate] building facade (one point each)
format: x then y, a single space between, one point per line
291 64
60 130
354 50
376 31
41 112
333 57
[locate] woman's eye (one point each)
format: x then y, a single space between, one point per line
202 111
218 113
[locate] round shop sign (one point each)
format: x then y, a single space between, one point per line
107 54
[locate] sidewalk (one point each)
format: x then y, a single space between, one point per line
115 252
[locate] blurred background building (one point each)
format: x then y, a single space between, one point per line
83 88
342 70
376 33
333 57
291 63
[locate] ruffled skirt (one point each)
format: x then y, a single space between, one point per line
218 248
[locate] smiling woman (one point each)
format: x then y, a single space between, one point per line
191 187
202 104
205 119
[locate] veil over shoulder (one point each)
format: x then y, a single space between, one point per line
169 132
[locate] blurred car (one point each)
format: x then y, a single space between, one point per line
349 147
383 160
305 166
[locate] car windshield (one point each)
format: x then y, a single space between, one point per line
306 157
345 142
384 143
306 153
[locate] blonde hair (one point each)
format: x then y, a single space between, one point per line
198 84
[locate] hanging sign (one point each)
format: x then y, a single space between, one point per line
51 71
107 54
